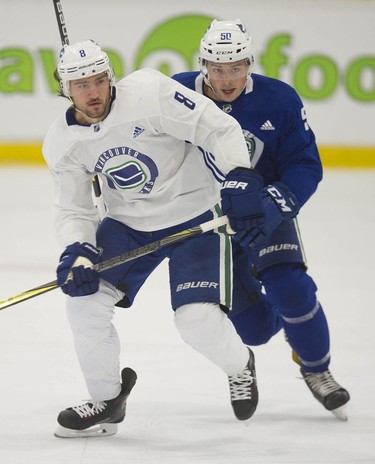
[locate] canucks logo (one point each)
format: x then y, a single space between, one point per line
255 146
129 175
127 169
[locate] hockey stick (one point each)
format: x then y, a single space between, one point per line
123 258
65 41
61 22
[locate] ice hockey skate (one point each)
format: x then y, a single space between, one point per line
328 392
244 391
96 419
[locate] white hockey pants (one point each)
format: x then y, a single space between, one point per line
207 329
203 326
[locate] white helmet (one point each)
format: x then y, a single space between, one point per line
225 42
82 59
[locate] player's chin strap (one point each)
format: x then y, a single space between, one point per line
85 114
210 86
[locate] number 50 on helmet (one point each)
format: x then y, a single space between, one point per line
226 42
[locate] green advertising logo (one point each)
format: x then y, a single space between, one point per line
172 47
358 78
173 43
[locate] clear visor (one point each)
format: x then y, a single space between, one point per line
227 71
82 86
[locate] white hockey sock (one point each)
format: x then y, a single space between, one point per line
207 329
96 340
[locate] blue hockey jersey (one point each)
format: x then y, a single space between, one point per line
281 144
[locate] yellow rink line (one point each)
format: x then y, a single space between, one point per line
21 153
332 156
347 157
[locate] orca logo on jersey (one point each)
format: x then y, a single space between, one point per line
255 146
127 169
129 175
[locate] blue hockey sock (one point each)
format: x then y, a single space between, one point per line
290 288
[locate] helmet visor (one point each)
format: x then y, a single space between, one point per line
84 86
227 71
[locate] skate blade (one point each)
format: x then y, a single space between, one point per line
100 430
340 413
246 422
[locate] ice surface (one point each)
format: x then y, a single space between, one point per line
179 411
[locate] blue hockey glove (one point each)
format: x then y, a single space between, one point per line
75 274
241 201
279 203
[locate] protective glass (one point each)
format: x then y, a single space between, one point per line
227 71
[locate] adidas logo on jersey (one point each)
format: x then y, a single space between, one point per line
137 131
267 126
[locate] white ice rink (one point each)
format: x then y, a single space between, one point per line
179 410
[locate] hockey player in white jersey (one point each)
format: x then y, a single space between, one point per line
162 153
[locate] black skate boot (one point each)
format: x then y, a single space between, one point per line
244 391
100 418
328 392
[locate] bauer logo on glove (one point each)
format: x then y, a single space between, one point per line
233 184
241 201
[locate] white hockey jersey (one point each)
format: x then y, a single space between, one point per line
161 155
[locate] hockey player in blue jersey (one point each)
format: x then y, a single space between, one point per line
283 150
